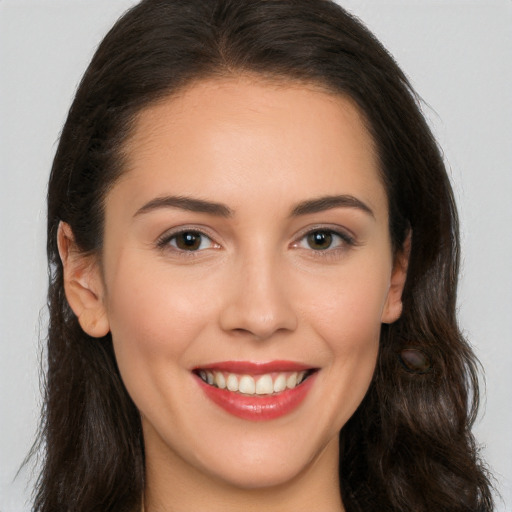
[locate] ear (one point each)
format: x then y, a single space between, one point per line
393 306
83 284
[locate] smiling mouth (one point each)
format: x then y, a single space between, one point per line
254 385
256 391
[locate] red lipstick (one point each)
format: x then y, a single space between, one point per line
256 368
256 407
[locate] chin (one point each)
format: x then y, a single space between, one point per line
260 474
270 461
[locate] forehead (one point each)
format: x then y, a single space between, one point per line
232 135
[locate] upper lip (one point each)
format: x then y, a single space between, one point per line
255 367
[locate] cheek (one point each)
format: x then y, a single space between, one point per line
154 320
351 333
347 320
348 312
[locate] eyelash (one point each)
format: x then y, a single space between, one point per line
165 241
344 241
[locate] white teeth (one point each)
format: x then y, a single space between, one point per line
247 385
265 386
280 383
291 381
220 381
232 382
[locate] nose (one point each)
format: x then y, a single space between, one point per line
257 303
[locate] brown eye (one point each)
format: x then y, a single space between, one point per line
320 240
190 241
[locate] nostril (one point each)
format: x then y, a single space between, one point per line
258 334
244 320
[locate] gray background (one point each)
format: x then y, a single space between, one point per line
458 55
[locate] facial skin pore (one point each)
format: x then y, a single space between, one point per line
251 225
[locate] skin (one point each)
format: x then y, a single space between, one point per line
255 290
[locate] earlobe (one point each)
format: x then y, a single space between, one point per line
393 306
83 284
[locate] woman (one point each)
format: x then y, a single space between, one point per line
253 249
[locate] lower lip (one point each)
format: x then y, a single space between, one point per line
258 407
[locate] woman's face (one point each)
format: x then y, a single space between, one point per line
247 244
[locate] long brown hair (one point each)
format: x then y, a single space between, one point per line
409 445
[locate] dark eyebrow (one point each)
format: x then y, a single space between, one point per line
186 203
328 202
